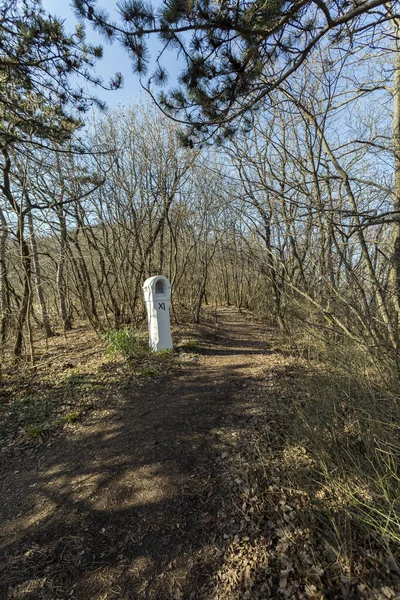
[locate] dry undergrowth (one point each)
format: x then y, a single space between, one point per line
312 494
72 375
315 490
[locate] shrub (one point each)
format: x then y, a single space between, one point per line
35 431
126 341
71 417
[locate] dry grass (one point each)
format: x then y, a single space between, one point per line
316 485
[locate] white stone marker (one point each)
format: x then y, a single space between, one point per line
157 295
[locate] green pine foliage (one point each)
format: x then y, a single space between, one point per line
38 62
233 54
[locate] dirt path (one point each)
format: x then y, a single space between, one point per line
129 505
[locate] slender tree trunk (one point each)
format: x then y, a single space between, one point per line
24 306
396 191
375 283
60 272
276 292
86 285
4 295
27 290
38 278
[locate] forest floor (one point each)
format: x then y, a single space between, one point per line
145 489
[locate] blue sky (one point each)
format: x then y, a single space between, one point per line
114 58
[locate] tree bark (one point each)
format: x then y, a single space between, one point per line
396 191
38 278
60 271
4 295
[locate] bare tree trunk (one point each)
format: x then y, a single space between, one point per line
38 278
24 249
396 191
276 292
60 271
27 290
86 284
365 252
4 296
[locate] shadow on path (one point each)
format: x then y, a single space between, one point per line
128 505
